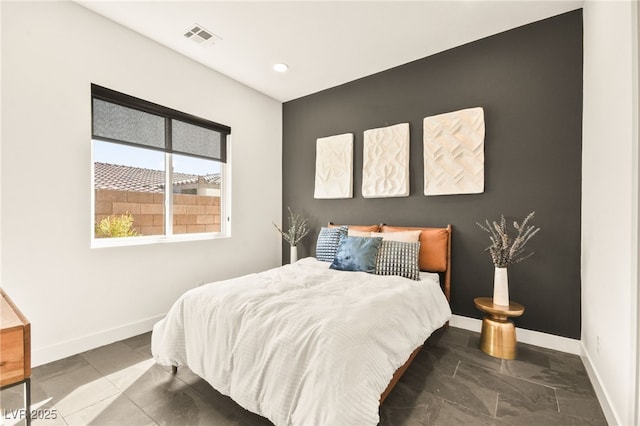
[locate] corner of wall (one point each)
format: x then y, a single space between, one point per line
603 397
635 46
610 332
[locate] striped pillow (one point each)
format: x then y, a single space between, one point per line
398 258
328 240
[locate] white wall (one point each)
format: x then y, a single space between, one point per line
609 216
636 193
0 153
74 296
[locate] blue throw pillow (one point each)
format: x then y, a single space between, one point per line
328 240
356 254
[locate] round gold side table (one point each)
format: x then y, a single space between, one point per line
498 336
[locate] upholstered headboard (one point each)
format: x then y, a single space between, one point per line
435 251
363 228
435 248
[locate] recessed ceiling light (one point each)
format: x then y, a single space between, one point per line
280 67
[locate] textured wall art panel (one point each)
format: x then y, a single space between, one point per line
334 167
385 162
454 152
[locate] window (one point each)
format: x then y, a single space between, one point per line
158 174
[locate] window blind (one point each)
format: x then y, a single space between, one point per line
117 117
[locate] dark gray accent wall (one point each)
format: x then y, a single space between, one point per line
529 82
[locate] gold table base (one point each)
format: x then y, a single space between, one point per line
498 335
498 338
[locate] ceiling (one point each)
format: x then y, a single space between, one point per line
324 43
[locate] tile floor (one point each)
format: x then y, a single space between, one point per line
451 382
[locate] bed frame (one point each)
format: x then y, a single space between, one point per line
435 256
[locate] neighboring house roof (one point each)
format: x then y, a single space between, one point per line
126 178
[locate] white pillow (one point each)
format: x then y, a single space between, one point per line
401 236
355 233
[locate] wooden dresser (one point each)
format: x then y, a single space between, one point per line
15 349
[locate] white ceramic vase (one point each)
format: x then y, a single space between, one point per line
501 287
293 258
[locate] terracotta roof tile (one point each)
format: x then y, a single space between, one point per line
126 178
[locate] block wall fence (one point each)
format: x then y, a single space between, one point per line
191 213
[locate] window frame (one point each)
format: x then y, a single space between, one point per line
168 114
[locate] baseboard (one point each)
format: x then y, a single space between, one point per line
536 338
67 348
70 347
601 393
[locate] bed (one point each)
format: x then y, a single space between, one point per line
306 343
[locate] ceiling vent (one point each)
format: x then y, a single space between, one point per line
200 35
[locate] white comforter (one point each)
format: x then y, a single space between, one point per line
302 344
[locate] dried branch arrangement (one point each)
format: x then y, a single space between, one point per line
297 228
505 250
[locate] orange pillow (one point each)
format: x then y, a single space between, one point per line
434 244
